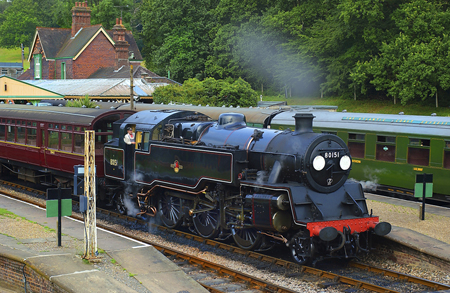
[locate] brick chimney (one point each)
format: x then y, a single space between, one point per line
121 45
81 16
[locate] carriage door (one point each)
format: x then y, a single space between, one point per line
42 144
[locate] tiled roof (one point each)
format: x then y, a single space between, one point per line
73 46
52 39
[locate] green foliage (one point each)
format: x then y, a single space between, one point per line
88 103
208 92
176 36
113 261
18 23
106 12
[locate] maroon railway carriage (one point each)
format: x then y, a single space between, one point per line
42 144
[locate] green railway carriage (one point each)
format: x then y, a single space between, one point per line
389 150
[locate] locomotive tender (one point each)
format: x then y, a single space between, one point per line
259 186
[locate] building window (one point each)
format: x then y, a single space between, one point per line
4 71
63 70
38 66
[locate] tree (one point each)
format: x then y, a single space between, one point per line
414 65
210 91
19 23
176 36
106 11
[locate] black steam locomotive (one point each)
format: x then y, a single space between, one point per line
261 187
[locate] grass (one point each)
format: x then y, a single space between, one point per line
368 106
14 55
4 212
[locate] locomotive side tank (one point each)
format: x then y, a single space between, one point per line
260 187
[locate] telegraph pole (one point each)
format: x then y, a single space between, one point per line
90 225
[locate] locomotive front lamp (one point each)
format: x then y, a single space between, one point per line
345 162
319 163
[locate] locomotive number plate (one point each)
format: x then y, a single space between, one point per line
331 155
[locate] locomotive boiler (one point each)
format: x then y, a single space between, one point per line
261 187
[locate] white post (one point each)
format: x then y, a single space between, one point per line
90 235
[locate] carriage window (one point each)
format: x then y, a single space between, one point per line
388 139
77 128
31 136
66 142
53 139
63 127
419 142
21 135
385 148
78 143
69 128
34 124
419 151
356 136
11 133
356 144
2 132
50 126
146 141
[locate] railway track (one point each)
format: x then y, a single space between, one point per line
356 276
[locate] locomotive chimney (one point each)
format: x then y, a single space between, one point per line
303 122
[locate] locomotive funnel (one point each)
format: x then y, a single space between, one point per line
303 122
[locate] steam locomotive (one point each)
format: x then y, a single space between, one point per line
260 187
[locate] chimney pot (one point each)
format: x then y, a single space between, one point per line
117 20
121 21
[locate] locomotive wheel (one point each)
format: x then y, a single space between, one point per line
206 223
300 246
120 204
170 211
247 238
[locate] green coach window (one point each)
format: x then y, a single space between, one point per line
419 151
385 148
356 144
